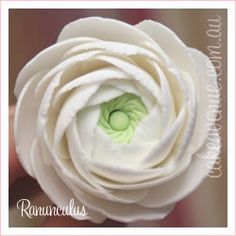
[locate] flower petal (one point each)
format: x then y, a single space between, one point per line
207 96
76 101
80 162
170 43
25 121
137 73
108 30
127 162
97 76
54 187
47 58
184 184
123 212
116 48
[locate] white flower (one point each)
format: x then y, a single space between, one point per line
112 116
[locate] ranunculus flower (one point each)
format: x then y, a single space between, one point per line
112 115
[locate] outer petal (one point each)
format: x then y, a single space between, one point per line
25 121
123 212
53 186
48 58
184 184
108 30
170 43
208 102
114 47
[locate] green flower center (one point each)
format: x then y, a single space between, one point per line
119 120
120 116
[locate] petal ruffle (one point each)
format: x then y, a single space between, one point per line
178 188
26 121
54 187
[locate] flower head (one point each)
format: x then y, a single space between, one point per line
112 115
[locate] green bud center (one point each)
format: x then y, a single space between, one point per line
120 116
119 120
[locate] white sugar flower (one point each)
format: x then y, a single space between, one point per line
112 115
